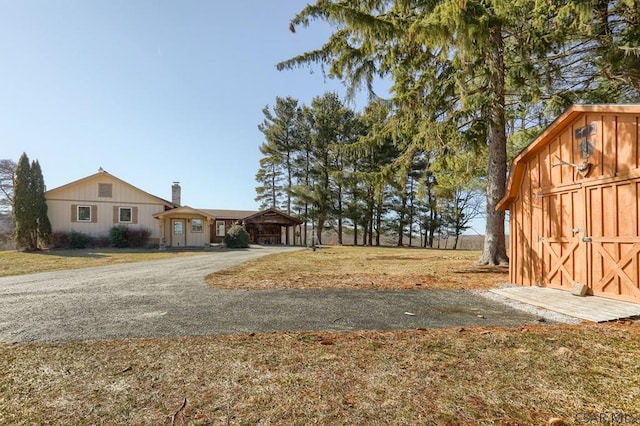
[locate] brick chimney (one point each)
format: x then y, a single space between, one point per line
175 193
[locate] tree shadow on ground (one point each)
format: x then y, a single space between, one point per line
81 253
483 270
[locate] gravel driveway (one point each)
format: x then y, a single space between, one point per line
170 298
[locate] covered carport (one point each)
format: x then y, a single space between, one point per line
271 227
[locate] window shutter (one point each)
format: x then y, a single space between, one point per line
74 212
94 213
134 215
116 210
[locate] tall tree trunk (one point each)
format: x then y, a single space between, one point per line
306 215
401 221
355 232
319 228
495 252
340 214
378 224
365 228
289 182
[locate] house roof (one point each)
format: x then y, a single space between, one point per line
248 215
274 211
183 210
547 136
229 214
102 172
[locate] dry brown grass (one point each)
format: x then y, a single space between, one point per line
424 377
20 263
435 377
364 268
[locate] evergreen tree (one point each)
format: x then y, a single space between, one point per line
326 117
387 37
23 205
43 225
284 133
32 226
269 177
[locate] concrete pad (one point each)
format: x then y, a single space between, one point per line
590 308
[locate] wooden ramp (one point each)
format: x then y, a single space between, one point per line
590 308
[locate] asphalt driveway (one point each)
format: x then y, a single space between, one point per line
170 298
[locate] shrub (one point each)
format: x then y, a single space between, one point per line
122 236
100 241
237 237
118 236
138 237
59 240
78 240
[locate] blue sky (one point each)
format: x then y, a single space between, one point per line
153 91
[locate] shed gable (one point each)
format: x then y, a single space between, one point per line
574 197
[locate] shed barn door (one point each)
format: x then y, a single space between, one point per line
613 240
560 246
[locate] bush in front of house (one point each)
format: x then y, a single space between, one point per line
122 236
118 236
237 237
78 240
59 240
138 238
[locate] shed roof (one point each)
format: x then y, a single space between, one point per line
547 136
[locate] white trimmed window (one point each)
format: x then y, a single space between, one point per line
196 225
125 214
220 228
84 213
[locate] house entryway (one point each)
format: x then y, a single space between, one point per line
178 235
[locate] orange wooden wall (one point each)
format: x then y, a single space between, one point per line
567 228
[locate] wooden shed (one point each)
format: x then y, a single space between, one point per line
574 201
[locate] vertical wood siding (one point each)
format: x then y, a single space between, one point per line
62 206
566 228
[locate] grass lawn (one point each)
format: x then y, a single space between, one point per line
363 267
19 263
515 376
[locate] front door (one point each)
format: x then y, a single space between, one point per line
563 254
591 235
613 240
178 232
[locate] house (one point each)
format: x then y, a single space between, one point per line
574 201
224 220
94 204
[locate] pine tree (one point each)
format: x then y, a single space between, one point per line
23 208
269 177
326 116
284 133
32 226
43 225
